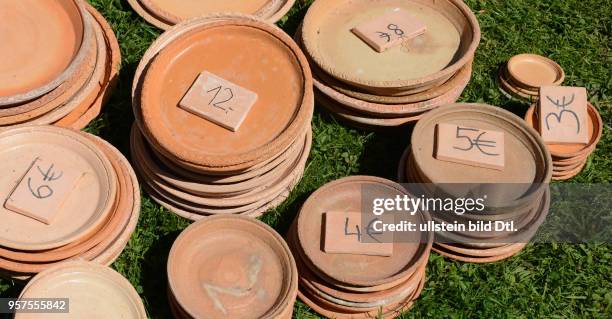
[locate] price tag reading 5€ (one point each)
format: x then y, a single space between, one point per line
219 101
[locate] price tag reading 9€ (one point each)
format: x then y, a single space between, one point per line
389 30
219 101
470 146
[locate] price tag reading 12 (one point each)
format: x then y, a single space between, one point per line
470 146
390 30
219 101
43 189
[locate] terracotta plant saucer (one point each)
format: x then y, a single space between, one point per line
567 151
179 130
44 54
532 71
356 270
93 290
97 188
448 44
511 89
242 269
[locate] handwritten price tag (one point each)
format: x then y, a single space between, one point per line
344 235
219 101
471 146
390 30
563 115
43 190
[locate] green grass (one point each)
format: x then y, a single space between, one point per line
544 281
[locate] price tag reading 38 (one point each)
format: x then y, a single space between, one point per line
471 146
390 30
219 101
43 189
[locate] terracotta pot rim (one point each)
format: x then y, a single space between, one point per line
284 256
68 72
302 116
310 45
516 78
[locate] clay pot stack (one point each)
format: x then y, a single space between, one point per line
84 290
166 13
354 285
98 210
396 87
231 267
195 167
517 193
523 75
59 63
569 159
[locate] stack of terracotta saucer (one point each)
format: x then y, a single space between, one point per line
231 267
191 159
395 87
65 195
83 290
524 74
355 285
516 191
166 13
59 62
569 159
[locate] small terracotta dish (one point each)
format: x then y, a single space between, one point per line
532 71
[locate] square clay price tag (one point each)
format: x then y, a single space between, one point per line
219 101
470 146
563 115
344 235
43 189
389 30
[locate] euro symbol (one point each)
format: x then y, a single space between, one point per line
478 142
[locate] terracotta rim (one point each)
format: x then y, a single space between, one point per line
108 197
66 74
38 283
596 120
310 44
512 90
283 253
300 119
148 16
524 83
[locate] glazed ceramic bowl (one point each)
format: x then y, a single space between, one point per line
449 43
44 54
233 267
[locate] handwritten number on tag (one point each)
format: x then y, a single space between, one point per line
391 27
562 105
346 230
44 191
478 142
219 103
369 231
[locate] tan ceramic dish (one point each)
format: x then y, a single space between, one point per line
532 71
344 194
567 151
225 251
452 37
245 145
100 187
47 53
93 290
470 259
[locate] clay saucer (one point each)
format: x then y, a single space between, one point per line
93 290
449 43
567 151
231 266
532 71
527 159
512 90
356 270
43 54
570 174
80 214
84 113
471 259
173 12
179 130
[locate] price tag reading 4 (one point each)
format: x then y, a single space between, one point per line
43 190
563 115
390 30
471 146
344 235
219 101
